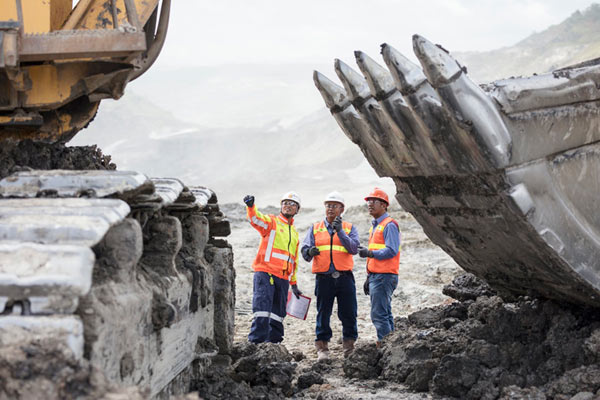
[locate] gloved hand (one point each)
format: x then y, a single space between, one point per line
337 223
296 291
366 286
249 200
364 252
313 251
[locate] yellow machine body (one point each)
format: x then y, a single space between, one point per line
58 61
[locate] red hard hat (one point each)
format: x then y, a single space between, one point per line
377 193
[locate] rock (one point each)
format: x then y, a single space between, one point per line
475 349
298 356
582 379
517 393
363 362
270 366
467 287
583 396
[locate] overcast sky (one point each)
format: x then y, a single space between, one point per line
316 31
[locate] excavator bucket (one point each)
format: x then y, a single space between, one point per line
504 177
57 62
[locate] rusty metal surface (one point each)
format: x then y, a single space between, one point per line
506 176
67 183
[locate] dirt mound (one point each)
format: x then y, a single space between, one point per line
263 371
28 154
489 348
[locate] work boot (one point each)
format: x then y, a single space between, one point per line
322 350
348 347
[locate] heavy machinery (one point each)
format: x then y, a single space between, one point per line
503 177
58 61
108 279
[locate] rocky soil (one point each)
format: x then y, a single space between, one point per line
34 155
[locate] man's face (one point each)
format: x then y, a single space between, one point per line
289 208
376 207
332 210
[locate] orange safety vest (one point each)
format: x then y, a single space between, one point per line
331 248
377 242
278 250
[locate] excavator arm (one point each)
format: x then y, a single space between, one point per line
58 61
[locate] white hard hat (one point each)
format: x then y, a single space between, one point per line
291 196
335 196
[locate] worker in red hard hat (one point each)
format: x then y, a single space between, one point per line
383 262
330 245
274 267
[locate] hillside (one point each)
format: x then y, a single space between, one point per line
574 40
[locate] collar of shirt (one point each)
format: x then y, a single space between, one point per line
287 221
378 220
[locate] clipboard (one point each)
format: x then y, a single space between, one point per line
297 308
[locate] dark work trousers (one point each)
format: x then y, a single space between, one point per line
268 305
327 289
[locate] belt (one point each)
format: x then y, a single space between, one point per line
335 274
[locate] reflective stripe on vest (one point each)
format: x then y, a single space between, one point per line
273 254
377 242
331 250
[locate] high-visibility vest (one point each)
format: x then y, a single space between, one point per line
377 242
278 250
331 249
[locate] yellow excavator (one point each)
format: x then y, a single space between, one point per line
59 58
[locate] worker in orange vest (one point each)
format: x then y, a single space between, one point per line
383 261
330 245
275 267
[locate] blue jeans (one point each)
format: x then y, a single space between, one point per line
381 287
327 289
268 305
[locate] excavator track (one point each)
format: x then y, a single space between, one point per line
503 177
108 267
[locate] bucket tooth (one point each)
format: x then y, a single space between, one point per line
407 75
353 126
439 67
378 78
356 86
386 133
401 115
333 95
472 109
475 127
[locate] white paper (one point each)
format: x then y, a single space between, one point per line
297 308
